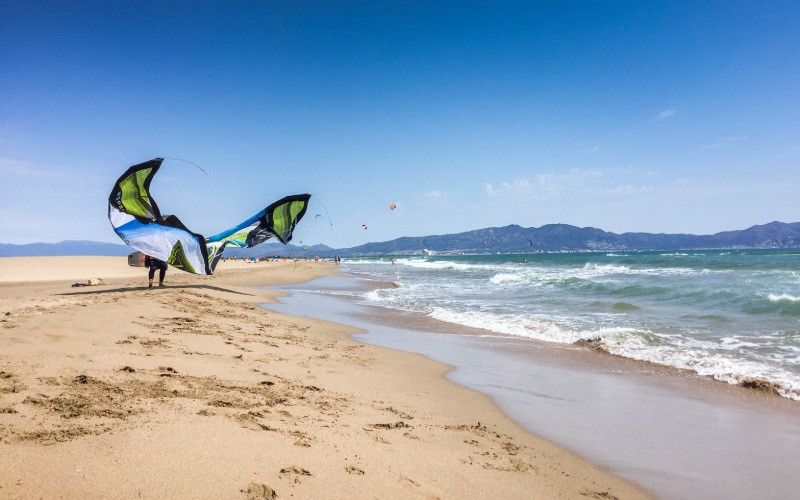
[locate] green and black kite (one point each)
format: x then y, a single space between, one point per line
138 221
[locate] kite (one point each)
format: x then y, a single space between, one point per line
136 219
278 220
392 206
364 226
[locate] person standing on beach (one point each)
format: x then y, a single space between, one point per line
154 264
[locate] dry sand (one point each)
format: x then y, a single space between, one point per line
193 391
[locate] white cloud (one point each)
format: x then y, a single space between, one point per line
517 186
723 141
623 190
666 113
545 186
433 195
12 166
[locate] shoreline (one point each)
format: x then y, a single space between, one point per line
192 390
612 410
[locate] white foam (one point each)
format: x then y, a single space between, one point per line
725 367
783 297
450 265
501 278
691 354
593 270
518 325
378 295
733 343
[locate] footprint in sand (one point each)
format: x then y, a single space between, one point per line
354 470
295 470
259 491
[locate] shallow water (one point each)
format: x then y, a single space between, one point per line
678 435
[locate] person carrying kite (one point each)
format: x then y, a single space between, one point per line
154 264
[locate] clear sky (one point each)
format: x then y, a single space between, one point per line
628 116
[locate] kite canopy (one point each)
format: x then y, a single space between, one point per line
278 220
138 221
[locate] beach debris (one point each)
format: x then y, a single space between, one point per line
295 470
167 371
399 413
90 282
603 495
136 219
396 425
761 384
219 403
596 344
354 470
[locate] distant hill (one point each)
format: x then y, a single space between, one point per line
508 239
567 238
280 250
68 247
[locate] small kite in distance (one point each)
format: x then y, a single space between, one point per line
392 206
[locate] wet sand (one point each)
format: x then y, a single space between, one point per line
677 434
194 391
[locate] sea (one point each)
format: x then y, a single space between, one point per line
731 315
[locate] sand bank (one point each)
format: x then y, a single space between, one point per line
192 390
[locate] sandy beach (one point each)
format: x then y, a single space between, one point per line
194 391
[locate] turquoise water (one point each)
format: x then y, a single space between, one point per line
731 315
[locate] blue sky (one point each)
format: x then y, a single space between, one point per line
627 116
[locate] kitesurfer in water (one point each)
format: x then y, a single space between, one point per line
154 264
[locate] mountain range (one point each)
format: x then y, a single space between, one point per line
567 238
507 239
